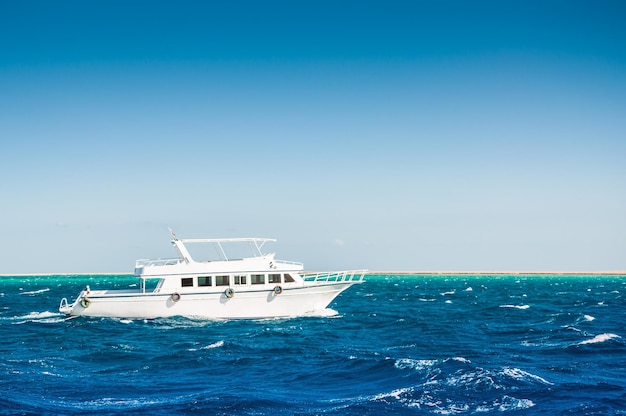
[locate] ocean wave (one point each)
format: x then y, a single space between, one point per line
46 316
431 402
599 338
519 374
419 365
459 372
214 345
511 403
480 380
395 394
589 318
322 313
515 306
109 403
35 292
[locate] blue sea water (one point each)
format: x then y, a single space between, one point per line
393 345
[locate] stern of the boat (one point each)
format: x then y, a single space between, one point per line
80 302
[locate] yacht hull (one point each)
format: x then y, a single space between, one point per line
244 304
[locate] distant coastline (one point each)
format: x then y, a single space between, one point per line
389 272
491 273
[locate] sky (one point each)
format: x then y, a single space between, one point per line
387 135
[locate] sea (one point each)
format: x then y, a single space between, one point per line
394 345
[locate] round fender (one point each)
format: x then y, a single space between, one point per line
229 293
175 296
278 290
85 302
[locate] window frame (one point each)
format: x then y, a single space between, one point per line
208 279
220 279
271 278
256 275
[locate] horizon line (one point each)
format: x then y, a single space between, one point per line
376 272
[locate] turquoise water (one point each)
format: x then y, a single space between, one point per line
393 345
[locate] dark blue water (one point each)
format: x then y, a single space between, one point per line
397 345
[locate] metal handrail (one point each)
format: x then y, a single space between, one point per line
293 263
341 276
156 262
63 304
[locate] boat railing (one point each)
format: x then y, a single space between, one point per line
64 307
156 262
342 276
293 263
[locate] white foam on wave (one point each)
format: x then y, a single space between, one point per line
469 289
426 300
589 318
519 374
599 338
34 292
404 363
393 394
512 403
515 306
214 345
41 317
38 315
322 313
430 401
111 402
448 293
507 403
480 378
123 347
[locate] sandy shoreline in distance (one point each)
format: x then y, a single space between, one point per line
478 273
66 274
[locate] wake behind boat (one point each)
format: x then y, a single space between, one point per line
256 285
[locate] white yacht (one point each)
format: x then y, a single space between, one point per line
253 285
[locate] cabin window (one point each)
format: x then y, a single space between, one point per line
274 278
257 279
288 278
221 281
186 282
240 279
204 281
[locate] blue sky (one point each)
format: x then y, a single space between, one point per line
446 135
